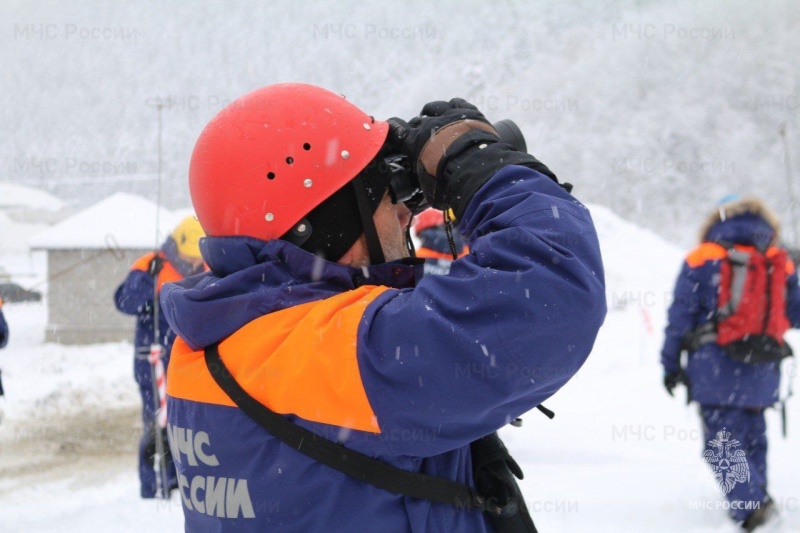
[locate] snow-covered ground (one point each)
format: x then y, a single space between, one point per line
621 455
69 435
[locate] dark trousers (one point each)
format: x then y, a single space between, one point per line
736 450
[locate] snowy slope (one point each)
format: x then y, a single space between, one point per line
660 107
620 456
68 438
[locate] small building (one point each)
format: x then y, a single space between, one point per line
88 256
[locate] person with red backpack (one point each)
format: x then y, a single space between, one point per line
736 296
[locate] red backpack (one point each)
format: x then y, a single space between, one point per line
751 313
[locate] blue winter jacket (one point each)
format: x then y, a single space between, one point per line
405 369
715 378
3 331
134 296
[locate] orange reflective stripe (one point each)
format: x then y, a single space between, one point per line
143 263
708 251
188 377
301 360
427 253
168 272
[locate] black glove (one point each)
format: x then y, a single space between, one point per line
493 471
426 139
454 151
155 266
673 379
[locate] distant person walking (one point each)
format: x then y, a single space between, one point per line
736 295
178 258
3 342
3 327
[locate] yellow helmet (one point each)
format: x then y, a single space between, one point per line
187 235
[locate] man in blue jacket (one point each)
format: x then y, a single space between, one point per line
3 327
733 388
313 306
3 341
178 258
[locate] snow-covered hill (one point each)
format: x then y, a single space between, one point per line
653 107
620 456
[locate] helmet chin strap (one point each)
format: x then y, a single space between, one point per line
374 247
412 252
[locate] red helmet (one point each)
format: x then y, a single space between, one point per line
273 155
428 219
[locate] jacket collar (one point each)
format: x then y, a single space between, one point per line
250 278
229 255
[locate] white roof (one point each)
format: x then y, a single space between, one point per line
20 196
123 220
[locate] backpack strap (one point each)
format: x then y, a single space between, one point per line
344 460
703 334
738 260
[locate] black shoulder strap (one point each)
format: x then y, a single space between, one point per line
336 456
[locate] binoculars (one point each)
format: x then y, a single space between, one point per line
404 183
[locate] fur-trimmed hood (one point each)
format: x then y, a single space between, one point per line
735 213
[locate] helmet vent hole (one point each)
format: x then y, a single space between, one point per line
289 160
271 176
306 147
